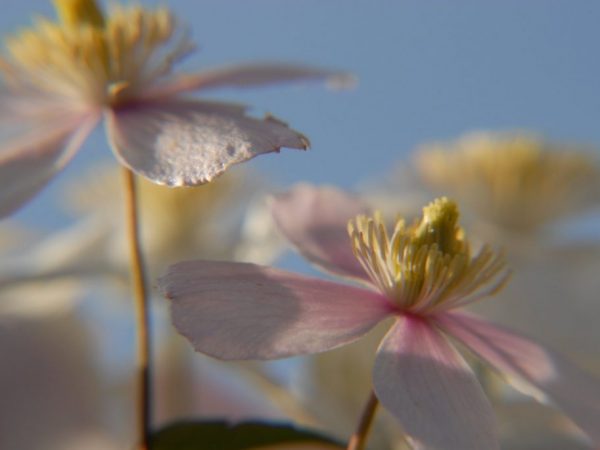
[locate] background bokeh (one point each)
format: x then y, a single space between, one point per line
427 70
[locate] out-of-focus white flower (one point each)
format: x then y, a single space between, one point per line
52 274
217 220
526 425
518 190
50 389
58 393
517 183
60 79
39 299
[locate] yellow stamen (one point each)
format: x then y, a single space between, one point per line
440 226
79 12
428 265
516 182
88 58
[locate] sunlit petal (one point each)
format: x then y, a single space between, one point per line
182 143
532 368
315 220
427 385
29 161
244 311
252 74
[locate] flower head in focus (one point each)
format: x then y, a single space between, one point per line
60 79
417 275
529 195
517 182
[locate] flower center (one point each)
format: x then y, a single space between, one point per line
427 266
517 182
91 58
77 12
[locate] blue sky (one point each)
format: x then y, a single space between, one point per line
428 70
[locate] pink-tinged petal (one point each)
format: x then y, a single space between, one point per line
532 368
250 75
81 250
186 143
28 161
428 386
315 220
245 311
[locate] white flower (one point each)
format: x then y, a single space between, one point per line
61 79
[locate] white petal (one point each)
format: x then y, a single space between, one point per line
251 74
428 386
532 368
245 311
315 219
186 143
29 161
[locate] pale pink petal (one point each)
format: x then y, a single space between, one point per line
428 386
184 143
245 311
315 220
530 365
28 161
251 74
22 108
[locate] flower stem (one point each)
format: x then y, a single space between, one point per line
142 317
359 438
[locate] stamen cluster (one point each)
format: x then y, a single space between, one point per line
518 182
88 57
426 266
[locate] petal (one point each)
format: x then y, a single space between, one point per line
428 386
29 160
251 74
245 311
530 365
186 143
315 220
80 250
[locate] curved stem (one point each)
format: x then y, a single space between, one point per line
359 438
142 318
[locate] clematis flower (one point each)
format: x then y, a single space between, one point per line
518 184
60 79
517 191
525 194
418 275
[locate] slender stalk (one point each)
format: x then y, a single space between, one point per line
359 438
276 393
142 317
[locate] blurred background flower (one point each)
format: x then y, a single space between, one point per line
68 290
225 219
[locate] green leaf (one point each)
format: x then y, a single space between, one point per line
220 435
